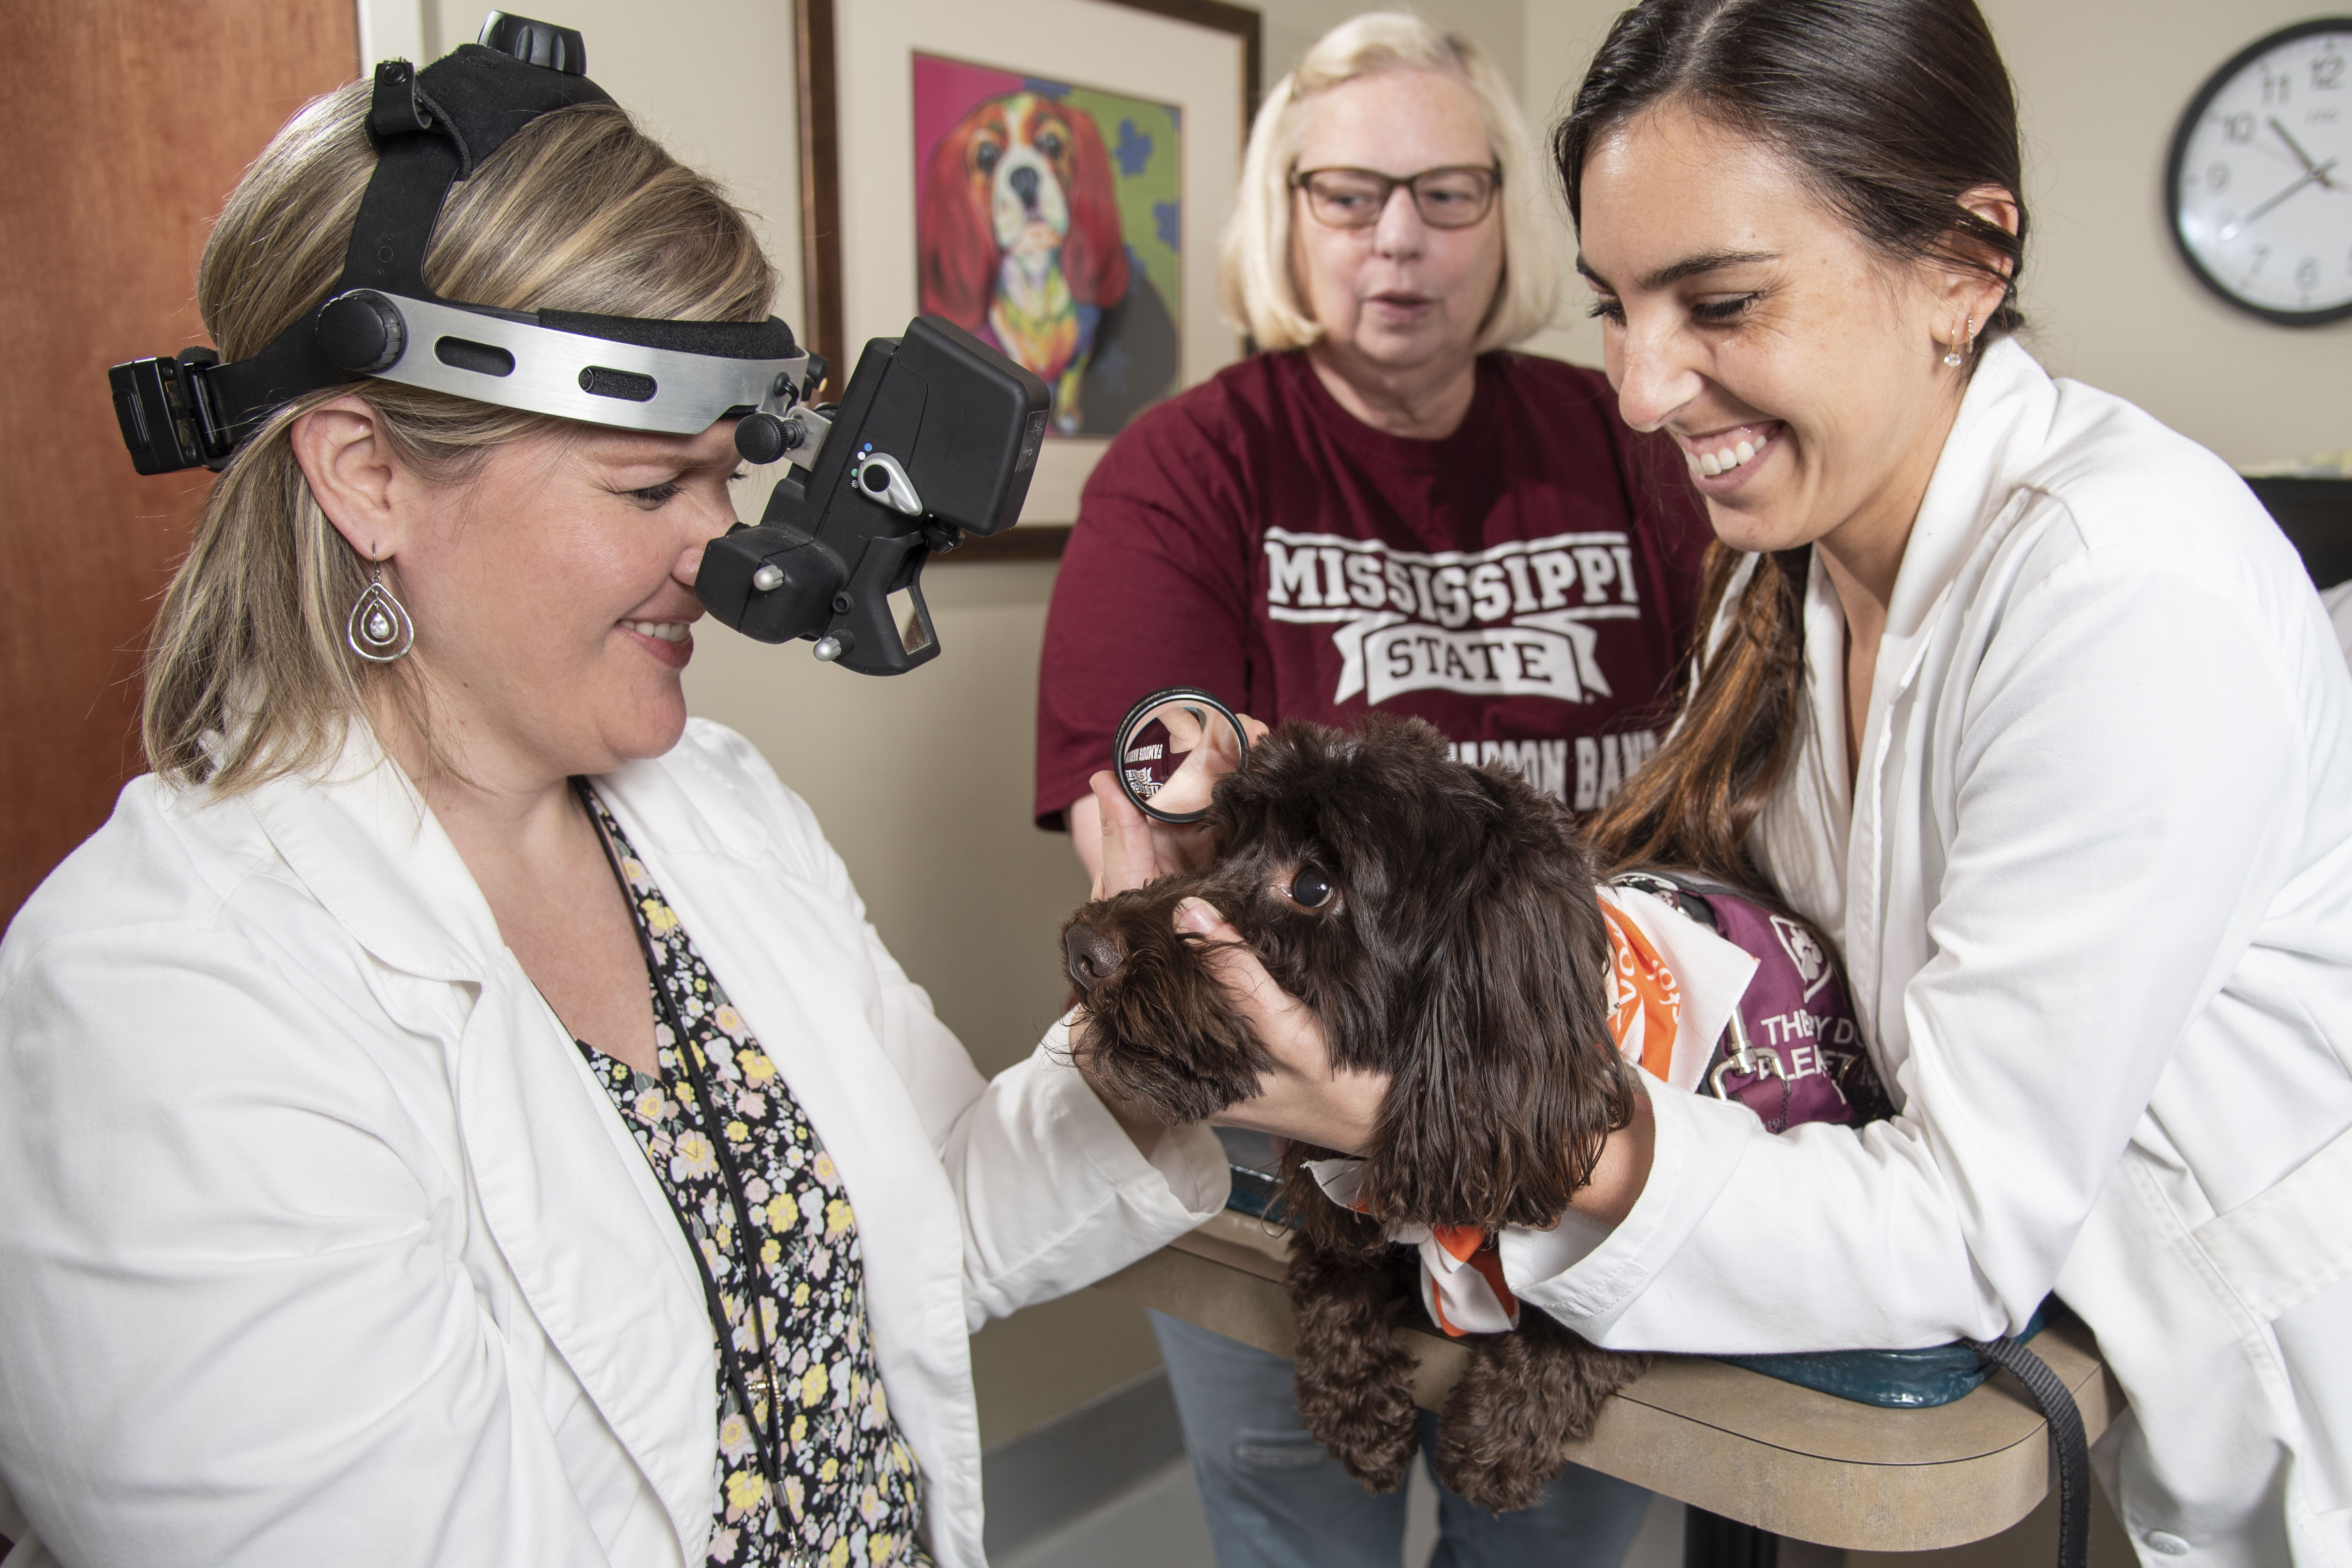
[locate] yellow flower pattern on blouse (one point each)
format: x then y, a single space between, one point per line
848 1491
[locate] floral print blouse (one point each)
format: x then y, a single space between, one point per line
848 1484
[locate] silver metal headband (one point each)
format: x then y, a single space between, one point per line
542 370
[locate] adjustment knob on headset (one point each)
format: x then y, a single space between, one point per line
362 331
535 43
764 437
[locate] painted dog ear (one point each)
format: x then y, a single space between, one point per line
1506 1082
1094 252
955 244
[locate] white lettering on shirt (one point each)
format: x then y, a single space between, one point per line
1546 765
1291 575
1515 619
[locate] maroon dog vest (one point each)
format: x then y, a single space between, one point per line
1792 1050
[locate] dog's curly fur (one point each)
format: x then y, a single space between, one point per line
1461 950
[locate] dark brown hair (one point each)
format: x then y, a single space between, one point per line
1890 111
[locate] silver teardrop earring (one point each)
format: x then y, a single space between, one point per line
1952 350
379 629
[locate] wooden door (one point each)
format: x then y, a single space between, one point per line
126 123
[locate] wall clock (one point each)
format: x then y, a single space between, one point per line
2260 182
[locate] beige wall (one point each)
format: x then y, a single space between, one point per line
2101 84
1292 25
965 891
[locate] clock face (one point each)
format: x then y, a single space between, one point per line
2260 188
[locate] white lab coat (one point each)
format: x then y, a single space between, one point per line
318 1244
2338 600
2094 888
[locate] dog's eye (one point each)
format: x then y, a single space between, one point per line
1050 144
987 156
1311 889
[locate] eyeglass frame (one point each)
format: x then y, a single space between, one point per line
1389 184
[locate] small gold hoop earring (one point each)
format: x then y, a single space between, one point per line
378 628
1952 350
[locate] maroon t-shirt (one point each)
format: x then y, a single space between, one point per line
1526 584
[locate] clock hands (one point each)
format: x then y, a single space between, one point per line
2301 156
2243 155
2316 173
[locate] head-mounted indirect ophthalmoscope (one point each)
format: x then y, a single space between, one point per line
937 436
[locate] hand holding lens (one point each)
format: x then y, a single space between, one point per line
1171 748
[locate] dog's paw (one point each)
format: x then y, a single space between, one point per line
1370 1426
1525 1395
1586 1377
1498 1488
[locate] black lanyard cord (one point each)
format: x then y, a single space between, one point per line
766 1436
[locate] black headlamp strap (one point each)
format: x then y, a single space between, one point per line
395 224
403 200
432 128
414 168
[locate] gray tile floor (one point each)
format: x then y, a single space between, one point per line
1155 1525
1158 1525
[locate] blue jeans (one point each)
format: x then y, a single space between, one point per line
1276 1500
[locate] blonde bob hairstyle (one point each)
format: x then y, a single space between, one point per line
1254 281
247 673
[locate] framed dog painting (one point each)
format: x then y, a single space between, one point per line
1050 174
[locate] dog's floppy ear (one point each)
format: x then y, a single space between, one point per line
956 247
1506 1082
1094 253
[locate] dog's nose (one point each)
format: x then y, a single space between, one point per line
1025 185
1094 957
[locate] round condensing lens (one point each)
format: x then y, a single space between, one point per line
1171 749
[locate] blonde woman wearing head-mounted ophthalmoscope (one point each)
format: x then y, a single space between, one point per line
455 1110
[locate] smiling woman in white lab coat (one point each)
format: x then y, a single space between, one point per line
2046 725
455 1110
2022 697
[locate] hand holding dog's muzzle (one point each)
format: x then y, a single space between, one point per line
1303 1097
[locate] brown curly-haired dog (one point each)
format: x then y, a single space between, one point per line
1442 921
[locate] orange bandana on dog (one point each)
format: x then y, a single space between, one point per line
1462 1283
1645 1001
1471 1261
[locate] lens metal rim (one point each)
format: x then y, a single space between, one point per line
1134 716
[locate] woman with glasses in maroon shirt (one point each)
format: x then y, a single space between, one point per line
1388 509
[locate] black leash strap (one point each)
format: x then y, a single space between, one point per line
2070 1452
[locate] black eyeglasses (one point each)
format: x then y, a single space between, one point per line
1453 197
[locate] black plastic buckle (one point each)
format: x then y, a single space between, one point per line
399 108
167 415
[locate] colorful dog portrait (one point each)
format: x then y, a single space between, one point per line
1048 223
